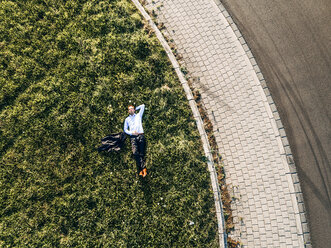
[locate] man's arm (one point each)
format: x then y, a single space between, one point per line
126 125
142 108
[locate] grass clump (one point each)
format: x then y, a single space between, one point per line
69 70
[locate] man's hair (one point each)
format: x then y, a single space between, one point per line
130 106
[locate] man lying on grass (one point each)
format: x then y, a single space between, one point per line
133 127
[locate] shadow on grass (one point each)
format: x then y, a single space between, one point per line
145 186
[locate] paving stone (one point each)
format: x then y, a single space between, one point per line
249 135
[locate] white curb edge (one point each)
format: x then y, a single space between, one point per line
206 146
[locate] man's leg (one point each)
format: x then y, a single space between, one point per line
142 152
135 153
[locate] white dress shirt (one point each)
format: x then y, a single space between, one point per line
133 123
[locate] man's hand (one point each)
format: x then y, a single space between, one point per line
134 133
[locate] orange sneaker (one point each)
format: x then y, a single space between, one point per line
144 172
140 173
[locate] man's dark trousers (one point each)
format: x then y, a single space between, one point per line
138 143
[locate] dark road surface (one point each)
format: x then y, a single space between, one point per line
291 41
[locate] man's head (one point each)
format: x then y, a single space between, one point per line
131 109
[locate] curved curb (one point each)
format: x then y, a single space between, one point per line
196 114
283 144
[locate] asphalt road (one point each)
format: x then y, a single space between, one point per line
291 41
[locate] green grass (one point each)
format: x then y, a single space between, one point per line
68 71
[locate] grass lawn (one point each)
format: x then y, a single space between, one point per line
69 69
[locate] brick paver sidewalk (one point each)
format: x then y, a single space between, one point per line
266 212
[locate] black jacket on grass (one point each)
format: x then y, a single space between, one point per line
112 142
